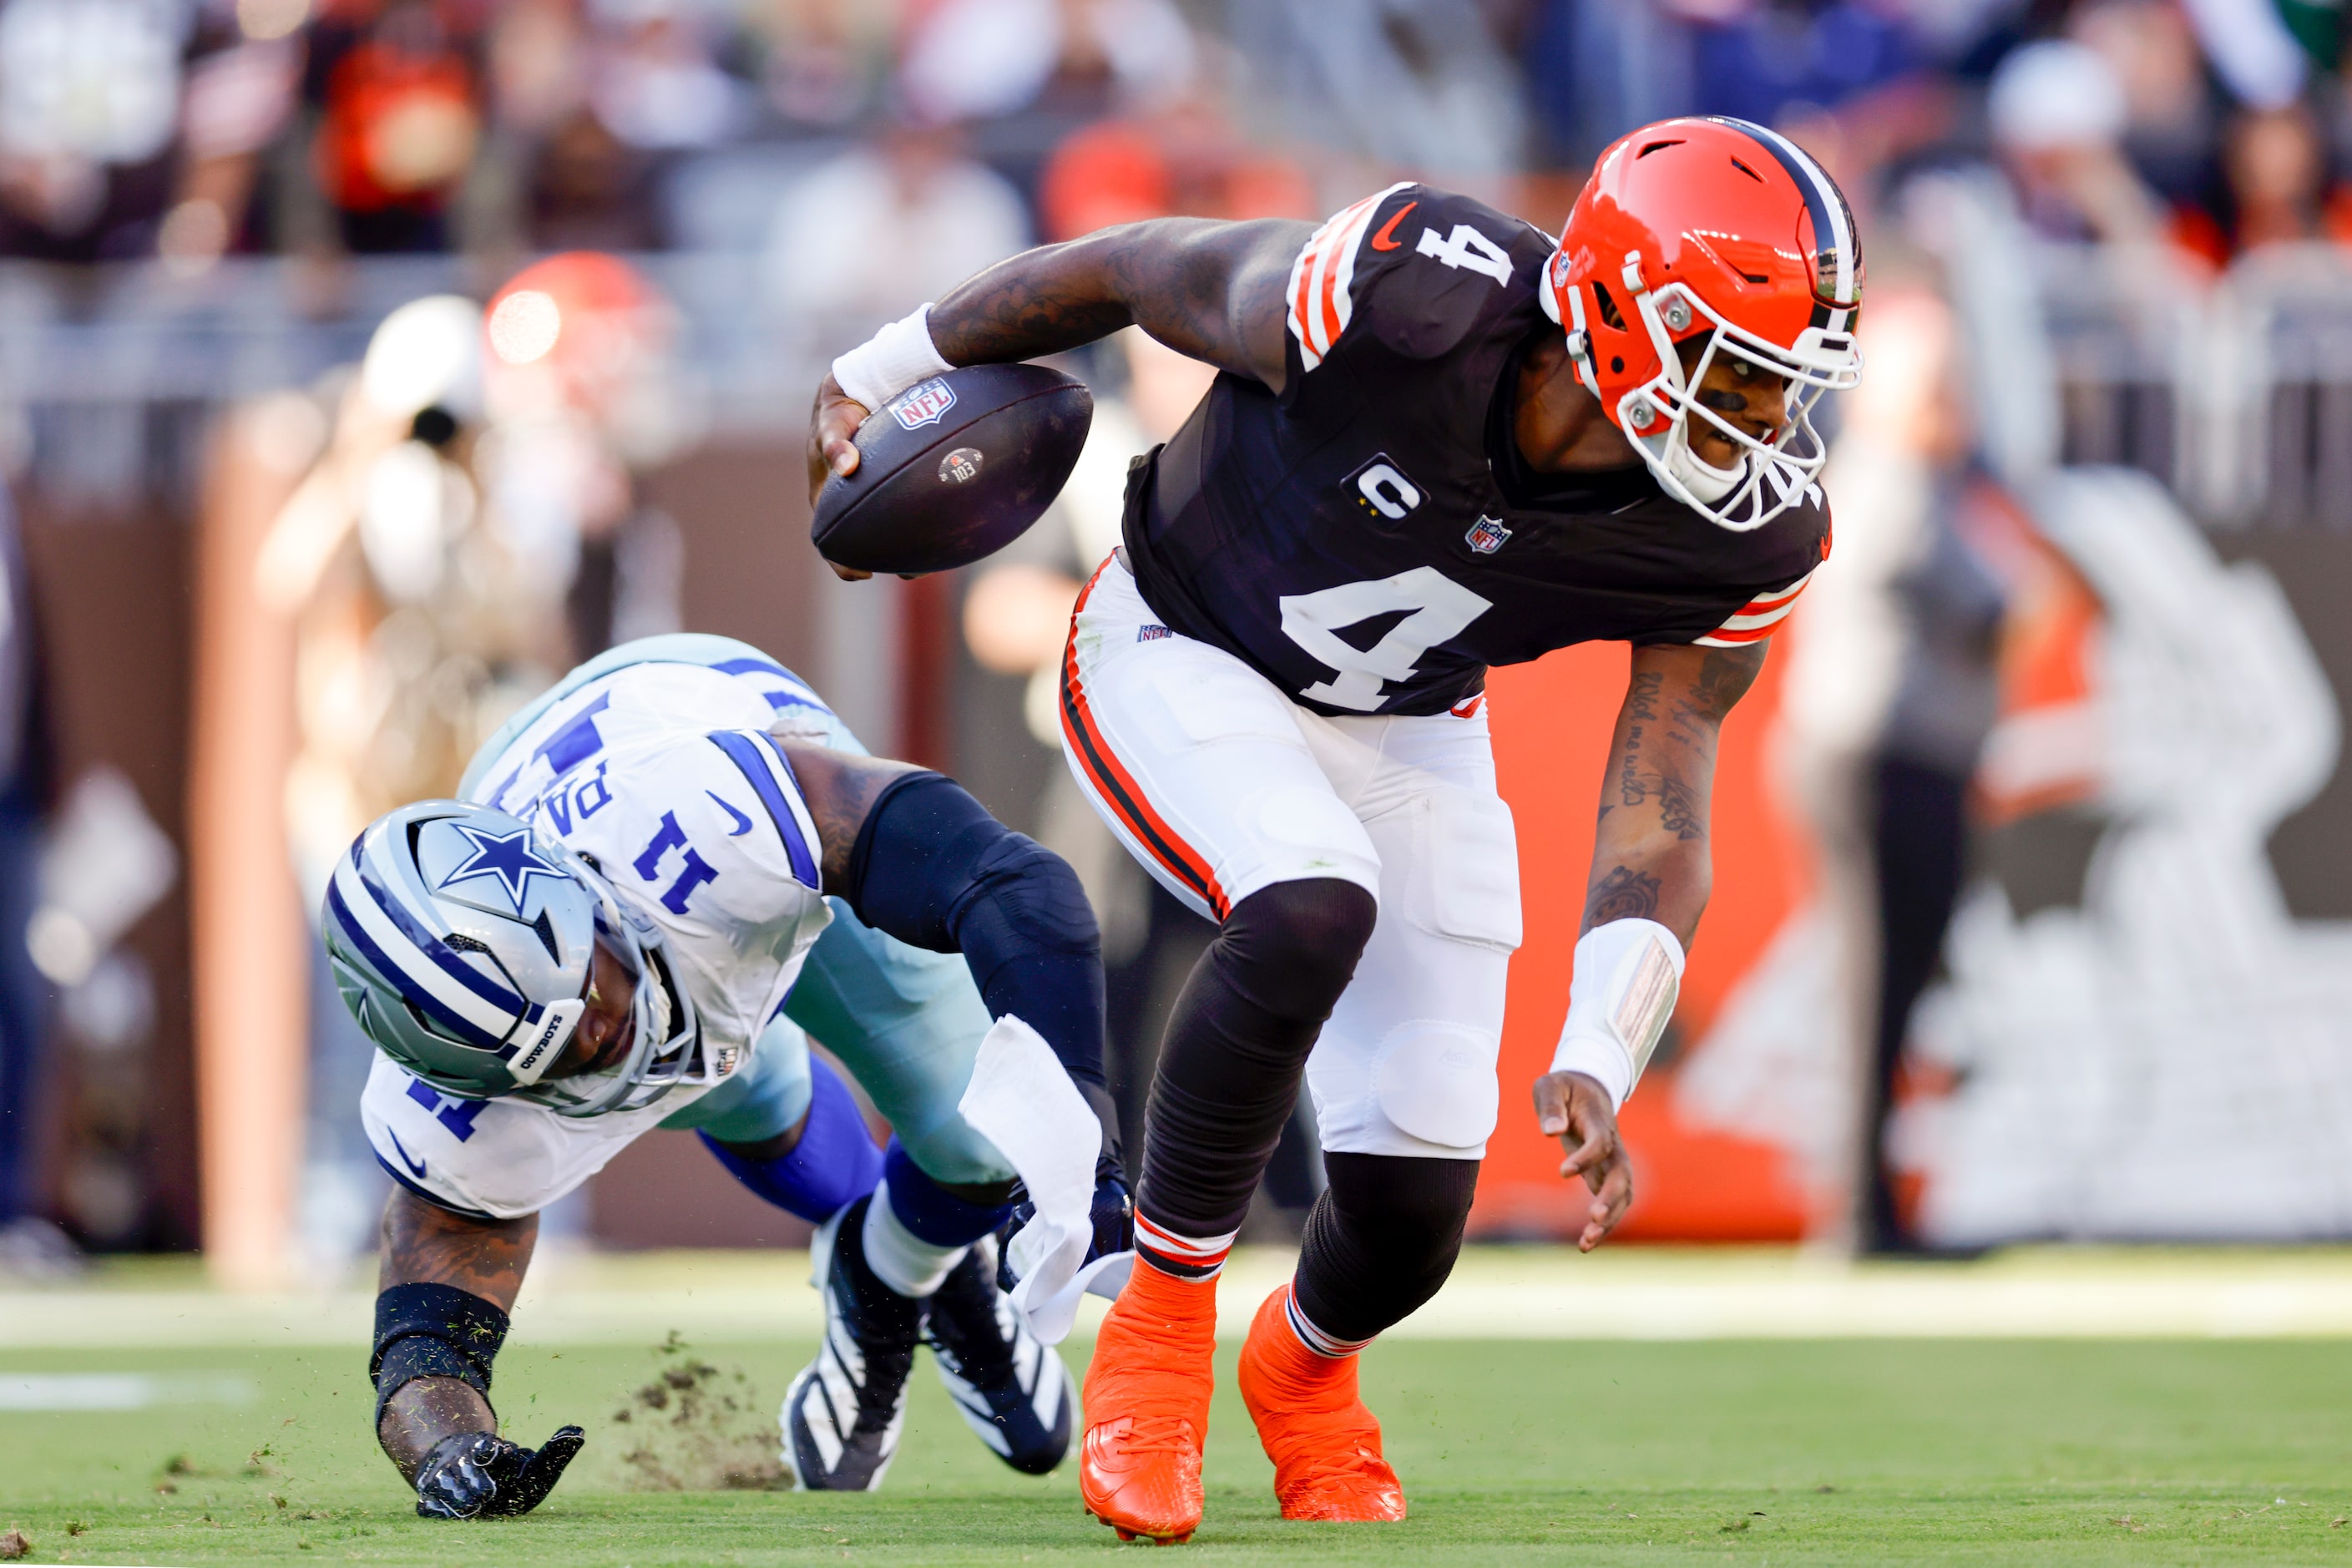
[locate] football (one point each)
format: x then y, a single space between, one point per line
954 468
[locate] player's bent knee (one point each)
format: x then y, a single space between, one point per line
1293 946
1435 1081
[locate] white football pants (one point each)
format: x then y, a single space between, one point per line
1219 785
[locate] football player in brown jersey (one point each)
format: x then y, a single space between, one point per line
1439 441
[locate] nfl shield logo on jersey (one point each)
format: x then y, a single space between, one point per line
923 403
1486 536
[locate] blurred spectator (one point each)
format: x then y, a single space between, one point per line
583 396
1403 84
2278 191
2171 123
891 223
1186 158
2057 113
978 59
399 119
1892 692
1766 57
89 100
1021 75
243 78
656 83
827 59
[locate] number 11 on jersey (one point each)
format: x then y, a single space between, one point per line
1442 609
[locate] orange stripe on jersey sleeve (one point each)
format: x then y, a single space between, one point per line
1323 277
1758 618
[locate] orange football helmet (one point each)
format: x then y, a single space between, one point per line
1715 227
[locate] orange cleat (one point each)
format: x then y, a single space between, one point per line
1147 1400
1325 1446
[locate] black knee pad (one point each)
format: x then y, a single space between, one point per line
1291 948
1382 1239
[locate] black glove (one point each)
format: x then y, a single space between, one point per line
476 1474
1113 1212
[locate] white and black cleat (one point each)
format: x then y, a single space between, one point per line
843 1413
1012 1391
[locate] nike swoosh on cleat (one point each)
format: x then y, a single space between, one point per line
1386 239
415 1166
743 823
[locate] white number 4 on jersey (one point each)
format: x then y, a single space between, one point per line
1441 608
1466 248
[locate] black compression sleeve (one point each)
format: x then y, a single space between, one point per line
932 868
432 1330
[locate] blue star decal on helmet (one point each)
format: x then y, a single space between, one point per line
508 856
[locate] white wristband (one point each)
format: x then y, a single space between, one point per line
891 360
1628 974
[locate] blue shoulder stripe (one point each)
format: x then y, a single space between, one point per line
740 751
804 696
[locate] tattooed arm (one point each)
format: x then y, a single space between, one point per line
1650 861
423 1245
1209 289
1650 855
840 789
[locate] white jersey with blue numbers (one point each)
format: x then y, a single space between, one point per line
669 778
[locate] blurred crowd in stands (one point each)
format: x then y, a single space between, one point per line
951 129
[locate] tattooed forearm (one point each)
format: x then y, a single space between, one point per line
1641 694
1724 677
840 791
1682 810
1212 290
1650 853
426 1245
1640 712
1623 894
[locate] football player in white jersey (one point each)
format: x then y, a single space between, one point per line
661 872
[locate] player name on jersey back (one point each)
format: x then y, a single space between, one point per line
664 776
1352 539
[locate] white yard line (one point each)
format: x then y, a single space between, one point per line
1496 1294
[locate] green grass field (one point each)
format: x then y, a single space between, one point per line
1792 1451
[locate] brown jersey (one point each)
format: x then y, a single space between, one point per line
1369 538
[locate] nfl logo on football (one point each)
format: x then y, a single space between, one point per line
1486 536
923 403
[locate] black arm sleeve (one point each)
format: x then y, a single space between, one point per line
432 1330
932 868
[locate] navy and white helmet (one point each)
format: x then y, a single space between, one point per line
461 941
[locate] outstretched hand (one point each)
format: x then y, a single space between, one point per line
1575 1109
832 448
477 1475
